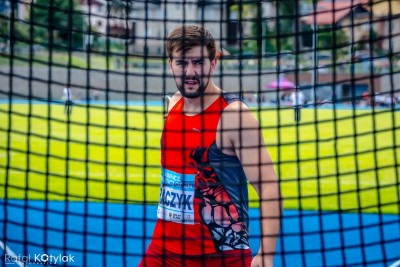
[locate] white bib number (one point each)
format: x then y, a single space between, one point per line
176 197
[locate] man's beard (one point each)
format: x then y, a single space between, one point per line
192 94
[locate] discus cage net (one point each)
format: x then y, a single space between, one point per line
83 183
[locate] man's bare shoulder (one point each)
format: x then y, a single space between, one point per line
237 115
174 99
236 105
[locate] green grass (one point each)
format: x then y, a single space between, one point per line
334 160
74 60
40 59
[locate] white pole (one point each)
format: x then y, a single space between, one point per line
7 250
263 31
314 72
9 6
83 37
395 264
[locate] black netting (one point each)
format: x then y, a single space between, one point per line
83 93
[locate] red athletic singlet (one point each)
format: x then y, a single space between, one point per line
203 206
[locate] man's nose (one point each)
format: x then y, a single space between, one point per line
190 69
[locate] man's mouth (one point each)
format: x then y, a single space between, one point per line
191 82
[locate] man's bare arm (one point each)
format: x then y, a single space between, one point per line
241 129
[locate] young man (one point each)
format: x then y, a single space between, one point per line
298 100
210 146
67 95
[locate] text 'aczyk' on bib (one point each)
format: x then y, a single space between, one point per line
176 197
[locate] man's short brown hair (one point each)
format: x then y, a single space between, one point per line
185 37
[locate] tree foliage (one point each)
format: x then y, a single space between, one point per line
58 23
332 38
273 38
121 7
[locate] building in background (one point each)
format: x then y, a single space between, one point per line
153 22
388 20
144 25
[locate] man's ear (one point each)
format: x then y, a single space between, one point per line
170 64
214 64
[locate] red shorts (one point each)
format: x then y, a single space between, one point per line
157 257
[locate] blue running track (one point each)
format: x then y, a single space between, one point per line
109 234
